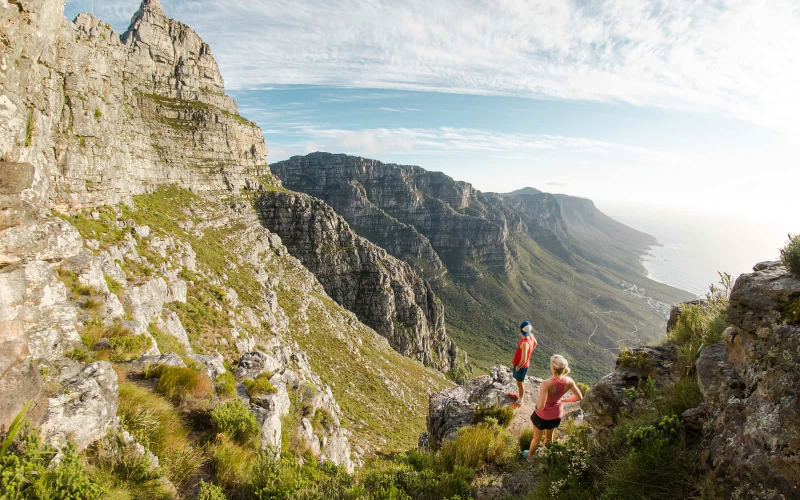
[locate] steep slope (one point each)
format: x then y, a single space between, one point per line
383 291
507 257
128 229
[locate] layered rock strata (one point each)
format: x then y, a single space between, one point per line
464 227
384 292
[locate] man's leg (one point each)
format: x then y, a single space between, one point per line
521 389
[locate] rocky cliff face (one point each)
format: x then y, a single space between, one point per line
89 121
384 292
104 117
751 431
437 215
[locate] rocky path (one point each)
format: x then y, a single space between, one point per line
522 416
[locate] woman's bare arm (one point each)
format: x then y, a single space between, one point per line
543 390
576 393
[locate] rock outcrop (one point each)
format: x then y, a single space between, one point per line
748 421
415 214
382 291
290 371
749 382
607 399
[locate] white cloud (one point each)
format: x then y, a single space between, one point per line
738 57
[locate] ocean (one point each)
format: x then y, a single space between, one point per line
696 246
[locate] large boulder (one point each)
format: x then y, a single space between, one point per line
454 408
603 404
84 409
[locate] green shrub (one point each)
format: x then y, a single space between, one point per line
226 385
790 254
114 286
166 342
27 471
260 386
525 439
113 455
158 426
638 361
210 491
235 421
791 312
98 113
501 414
477 445
80 355
684 394
564 472
584 388
458 374
178 383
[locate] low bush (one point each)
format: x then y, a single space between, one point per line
638 361
114 286
790 254
178 383
232 465
260 386
501 414
210 491
226 385
122 460
234 420
478 445
28 472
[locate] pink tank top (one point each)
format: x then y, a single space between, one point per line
554 407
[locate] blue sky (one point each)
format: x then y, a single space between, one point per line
663 104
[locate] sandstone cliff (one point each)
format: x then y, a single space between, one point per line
439 217
128 232
384 292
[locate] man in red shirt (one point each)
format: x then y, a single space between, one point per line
522 358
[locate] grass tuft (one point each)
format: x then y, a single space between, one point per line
260 386
178 383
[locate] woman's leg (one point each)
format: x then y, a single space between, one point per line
549 435
537 436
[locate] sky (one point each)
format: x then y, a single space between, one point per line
678 106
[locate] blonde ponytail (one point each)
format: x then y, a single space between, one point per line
559 364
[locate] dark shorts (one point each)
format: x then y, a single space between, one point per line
544 425
519 374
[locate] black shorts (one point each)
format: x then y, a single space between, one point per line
544 425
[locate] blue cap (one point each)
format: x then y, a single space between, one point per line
526 327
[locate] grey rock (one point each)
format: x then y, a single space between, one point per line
212 364
603 404
142 231
149 362
85 409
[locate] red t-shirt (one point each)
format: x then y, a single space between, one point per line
518 354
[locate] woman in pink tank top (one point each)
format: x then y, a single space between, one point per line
550 406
